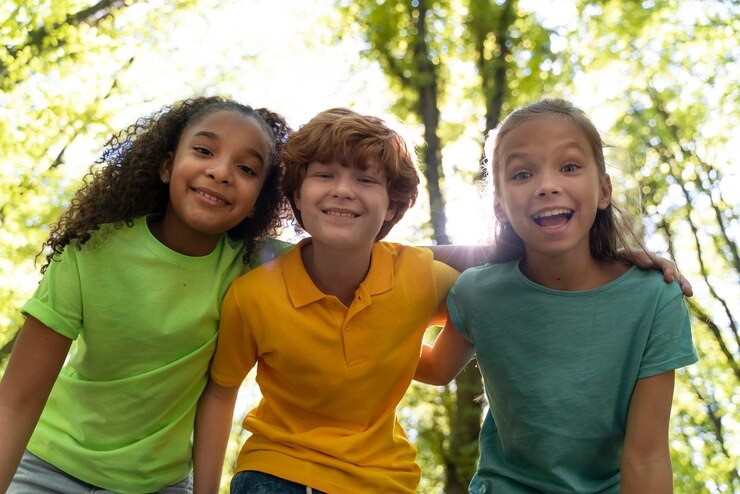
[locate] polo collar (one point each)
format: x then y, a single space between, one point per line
302 290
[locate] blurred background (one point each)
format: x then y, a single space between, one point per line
659 78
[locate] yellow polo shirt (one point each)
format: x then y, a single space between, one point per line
331 376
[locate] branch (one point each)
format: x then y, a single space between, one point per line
36 38
675 133
666 157
699 311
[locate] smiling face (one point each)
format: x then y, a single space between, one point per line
343 207
549 185
215 176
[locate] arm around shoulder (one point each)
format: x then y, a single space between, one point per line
440 363
213 420
646 463
462 257
38 356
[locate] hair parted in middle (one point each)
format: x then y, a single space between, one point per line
353 140
611 229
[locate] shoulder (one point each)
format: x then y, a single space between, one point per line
268 250
107 237
407 252
646 282
491 273
265 269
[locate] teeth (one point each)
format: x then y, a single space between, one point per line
552 212
341 214
212 198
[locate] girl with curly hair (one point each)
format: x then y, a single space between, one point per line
133 281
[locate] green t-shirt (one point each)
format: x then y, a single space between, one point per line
559 368
144 319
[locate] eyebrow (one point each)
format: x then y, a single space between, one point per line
213 136
523 156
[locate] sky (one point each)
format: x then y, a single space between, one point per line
278 55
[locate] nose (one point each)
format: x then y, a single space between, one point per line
548 185
219 171
344 186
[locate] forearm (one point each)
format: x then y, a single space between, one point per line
426 371
212 429
462 257
16 428
441 362
653 476
34 365
645 465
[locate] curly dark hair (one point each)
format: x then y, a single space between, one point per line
128 184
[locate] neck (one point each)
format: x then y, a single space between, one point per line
189 244
337 273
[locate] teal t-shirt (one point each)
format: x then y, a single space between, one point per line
144 319
559 368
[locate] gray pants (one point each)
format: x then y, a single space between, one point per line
35 476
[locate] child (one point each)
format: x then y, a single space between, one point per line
335 325
577 349
135 274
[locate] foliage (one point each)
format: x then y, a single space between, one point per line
678 100
62 81
659 75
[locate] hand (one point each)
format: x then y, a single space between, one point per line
644 260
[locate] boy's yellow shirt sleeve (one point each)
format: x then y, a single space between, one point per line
444 277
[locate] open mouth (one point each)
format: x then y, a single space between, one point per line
553 217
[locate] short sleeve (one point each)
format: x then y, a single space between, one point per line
456 308
444 279
236 350
669 345
57 302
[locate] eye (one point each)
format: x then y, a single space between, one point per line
202 150
521 175
367 180
570 168
247 170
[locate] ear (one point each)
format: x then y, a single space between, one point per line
391 213
498 211
297 198
605 192
165 169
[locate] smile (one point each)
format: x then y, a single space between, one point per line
209 196
553 217
340 213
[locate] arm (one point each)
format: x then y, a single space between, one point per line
644 260
213 420
440 363
34 365
462 257
646 462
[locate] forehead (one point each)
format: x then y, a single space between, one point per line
545 132
230 124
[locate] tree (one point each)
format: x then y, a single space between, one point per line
60 85
678 99
416 44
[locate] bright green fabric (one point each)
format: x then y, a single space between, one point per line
559 369
144 319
